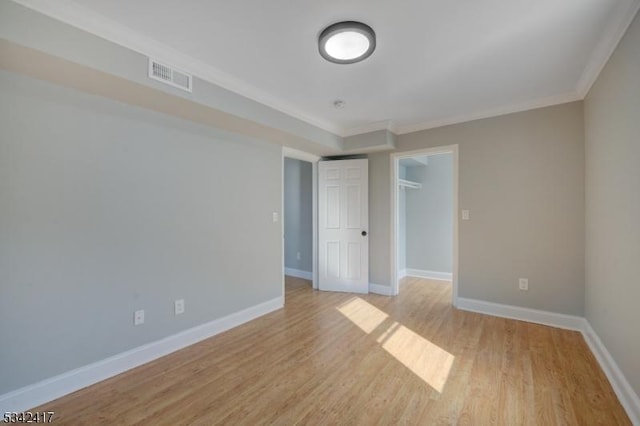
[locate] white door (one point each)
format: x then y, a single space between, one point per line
343 204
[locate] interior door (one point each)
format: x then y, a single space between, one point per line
343 222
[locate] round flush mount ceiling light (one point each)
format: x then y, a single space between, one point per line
347 42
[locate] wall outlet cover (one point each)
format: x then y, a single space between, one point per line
179 306
138 317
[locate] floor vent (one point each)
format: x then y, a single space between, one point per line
169 75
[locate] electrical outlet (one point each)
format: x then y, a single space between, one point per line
138 317
298 256
465 214
179 306
274 217
523 283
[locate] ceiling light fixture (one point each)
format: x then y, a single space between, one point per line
347 42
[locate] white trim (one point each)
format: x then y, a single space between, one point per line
454 270
432 275
628 398
384 290
306 275
615 30
71 381
88 20
402 273
569 322
613 33
92 22
284 289
394 232
492 112
314 220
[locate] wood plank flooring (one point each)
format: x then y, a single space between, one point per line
335 358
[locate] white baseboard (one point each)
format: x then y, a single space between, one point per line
298 273
380 289
402 273
432 275
628 398
58 386
625 393
47 390
552 319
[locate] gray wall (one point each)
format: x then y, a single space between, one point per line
612 131
522 178
29 28
298 215
107 208
429 218
379 217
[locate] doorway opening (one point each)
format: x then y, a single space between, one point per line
424 221
299 217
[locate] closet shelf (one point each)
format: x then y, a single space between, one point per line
403 183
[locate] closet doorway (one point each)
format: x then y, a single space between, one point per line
424 216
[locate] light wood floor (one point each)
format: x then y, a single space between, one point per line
333 358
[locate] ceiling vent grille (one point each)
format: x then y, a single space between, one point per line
169 75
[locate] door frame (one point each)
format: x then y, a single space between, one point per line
313 159
395 202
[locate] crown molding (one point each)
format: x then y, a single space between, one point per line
94 23
493 112
77 16
613 33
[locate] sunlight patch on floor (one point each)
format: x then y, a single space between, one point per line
363 314
426 360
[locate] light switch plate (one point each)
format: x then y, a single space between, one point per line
523 284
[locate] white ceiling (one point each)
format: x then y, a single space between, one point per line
437 61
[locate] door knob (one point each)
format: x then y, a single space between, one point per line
364 233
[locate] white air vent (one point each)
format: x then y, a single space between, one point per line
169 75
